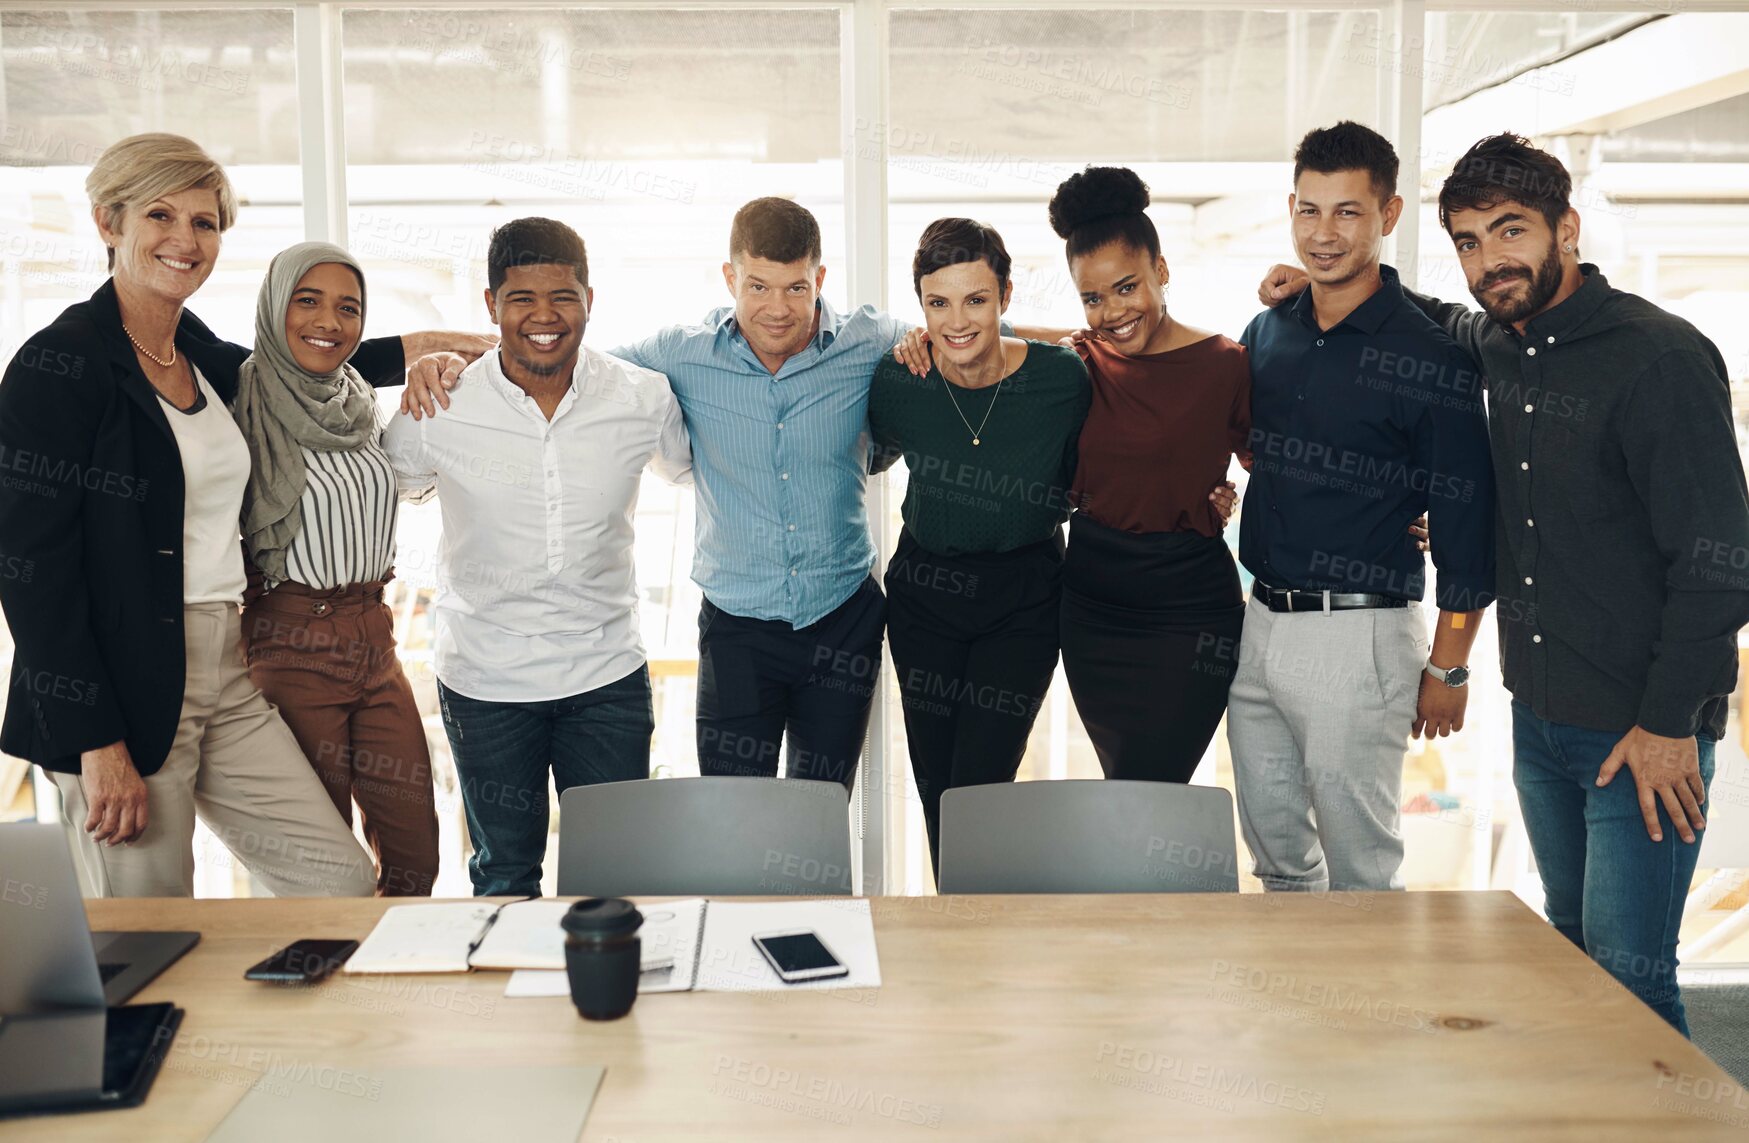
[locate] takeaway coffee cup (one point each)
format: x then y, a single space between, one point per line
601 956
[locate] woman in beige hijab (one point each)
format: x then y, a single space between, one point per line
319 531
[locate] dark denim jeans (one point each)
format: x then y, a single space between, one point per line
503 751
1611 889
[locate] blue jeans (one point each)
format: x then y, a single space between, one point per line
1610 888
503 751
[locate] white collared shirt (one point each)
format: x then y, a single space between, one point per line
537 595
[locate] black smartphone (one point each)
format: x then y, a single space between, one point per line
799 955
302 962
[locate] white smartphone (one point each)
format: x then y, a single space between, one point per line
798 955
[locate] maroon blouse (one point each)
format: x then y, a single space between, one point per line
1160 433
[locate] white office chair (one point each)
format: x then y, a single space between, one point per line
695 837
1088 836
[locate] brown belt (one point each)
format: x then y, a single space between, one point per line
293 598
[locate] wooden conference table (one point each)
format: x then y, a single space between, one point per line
1407 1016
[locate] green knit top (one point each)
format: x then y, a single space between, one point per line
1011 487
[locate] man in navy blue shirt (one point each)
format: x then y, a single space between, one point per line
1364 415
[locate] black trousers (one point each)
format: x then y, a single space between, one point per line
974 641
1151 627
759 679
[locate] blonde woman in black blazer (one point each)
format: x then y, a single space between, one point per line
121 474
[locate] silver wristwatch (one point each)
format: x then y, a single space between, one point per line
1453 677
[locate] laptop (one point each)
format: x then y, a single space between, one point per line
41 942
65 1042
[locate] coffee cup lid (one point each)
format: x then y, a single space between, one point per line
602 918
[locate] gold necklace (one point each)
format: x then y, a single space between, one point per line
977 433
147 352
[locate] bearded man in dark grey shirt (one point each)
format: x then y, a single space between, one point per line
1622 549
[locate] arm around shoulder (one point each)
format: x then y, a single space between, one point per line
382 361
1460 323
656 352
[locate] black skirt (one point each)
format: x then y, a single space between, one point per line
1150 631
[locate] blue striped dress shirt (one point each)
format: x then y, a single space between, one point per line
780 460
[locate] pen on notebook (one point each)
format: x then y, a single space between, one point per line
474 945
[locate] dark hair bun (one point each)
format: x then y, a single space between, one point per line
1096 193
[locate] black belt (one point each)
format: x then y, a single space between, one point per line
1278 600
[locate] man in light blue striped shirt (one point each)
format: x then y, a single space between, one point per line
775 395
782 534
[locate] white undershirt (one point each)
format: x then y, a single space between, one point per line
215 469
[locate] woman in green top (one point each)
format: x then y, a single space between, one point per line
973 590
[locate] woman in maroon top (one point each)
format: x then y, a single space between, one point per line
1152 609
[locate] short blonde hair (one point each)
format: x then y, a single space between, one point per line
142 168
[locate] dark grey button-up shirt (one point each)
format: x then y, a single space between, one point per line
1623 520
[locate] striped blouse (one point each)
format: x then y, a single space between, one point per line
348 533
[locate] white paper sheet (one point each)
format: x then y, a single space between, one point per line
731 963
529 983
668 938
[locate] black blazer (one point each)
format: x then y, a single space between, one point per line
91 505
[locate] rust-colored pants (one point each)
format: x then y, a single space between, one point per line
327 660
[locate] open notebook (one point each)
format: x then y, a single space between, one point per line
525 934
687 945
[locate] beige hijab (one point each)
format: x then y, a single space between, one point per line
282 410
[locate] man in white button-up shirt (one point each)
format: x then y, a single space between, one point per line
536 468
